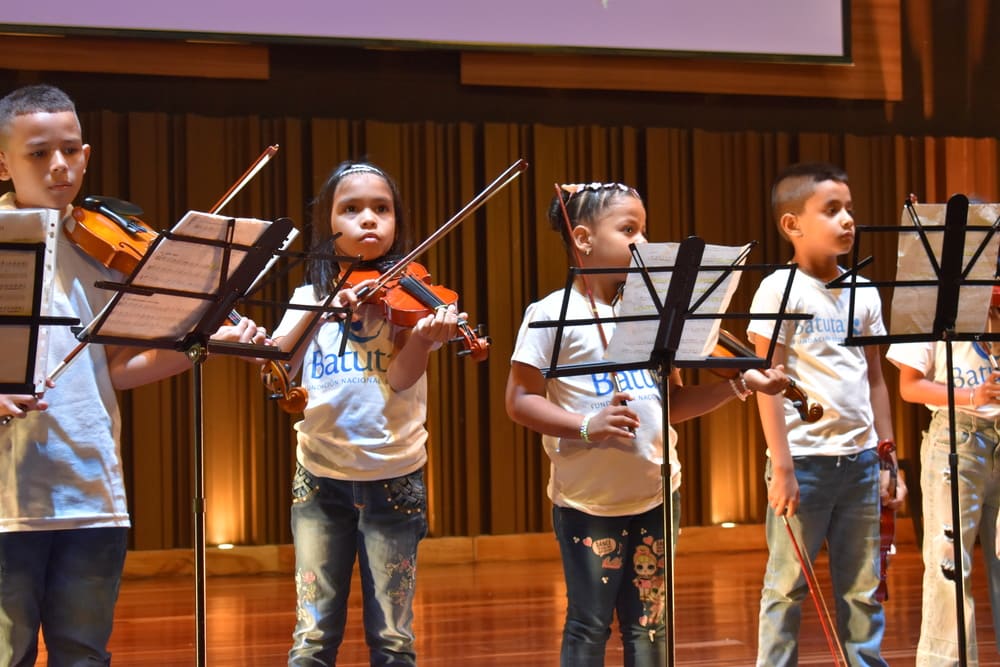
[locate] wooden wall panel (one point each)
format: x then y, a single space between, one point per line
875 73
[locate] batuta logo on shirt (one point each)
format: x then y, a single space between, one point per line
604 383
971 377
363 361
824 328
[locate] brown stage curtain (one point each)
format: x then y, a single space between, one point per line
486 475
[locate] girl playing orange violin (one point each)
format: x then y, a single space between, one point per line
358 490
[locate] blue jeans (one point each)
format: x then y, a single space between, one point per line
613 564
381 522
66 582
839 504
977 447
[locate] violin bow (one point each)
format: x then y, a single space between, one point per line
498 184
247 176
829 628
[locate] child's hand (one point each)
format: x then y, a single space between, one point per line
987 392
783 492
615 421
246 331
883 488
440 326
19 405
348 298
769 381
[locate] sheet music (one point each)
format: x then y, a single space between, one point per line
633 341
179 265
913 308
17 290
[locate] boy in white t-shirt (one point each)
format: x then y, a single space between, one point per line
825 473
923 378
63 513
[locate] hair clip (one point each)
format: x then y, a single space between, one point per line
576 188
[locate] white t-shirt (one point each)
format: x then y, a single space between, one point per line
831 373
971 368
611 478
61 468
355 427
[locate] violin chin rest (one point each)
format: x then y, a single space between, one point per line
101 204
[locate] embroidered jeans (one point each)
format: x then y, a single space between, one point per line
613 564
65 581
381 523
839 504
979 494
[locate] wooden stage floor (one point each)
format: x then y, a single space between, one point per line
500 614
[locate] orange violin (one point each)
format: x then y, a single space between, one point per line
730 347
410 296
110 231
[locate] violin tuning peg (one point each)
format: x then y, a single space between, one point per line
463 353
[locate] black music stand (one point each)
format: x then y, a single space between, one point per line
949 277
232 268
28 264
672 312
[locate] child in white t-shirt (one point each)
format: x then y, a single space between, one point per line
605 439
923 378
358 493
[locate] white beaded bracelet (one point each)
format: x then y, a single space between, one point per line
741 393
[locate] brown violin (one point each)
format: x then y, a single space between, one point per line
410 296
730 347
886 449
110 231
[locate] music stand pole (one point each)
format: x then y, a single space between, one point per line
197 355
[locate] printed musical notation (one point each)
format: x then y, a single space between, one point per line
183 265
914 307
26 235
633 341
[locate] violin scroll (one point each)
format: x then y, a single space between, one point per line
290 397
729 346
809 412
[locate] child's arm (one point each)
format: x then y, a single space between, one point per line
414 347
307 325
915 387
688 402
527 405
879 396
783 491
132 367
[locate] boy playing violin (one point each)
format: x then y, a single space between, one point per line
63 515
